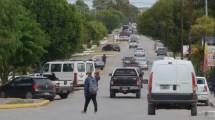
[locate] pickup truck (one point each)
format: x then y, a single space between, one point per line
125 80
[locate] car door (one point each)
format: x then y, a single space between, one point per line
12 90
25 85
81 72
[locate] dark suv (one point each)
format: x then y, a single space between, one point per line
29 87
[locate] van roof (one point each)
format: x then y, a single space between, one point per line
173 61
70 61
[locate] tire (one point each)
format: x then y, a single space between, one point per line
3 94
112 94
102 68
29 95
207 103
138 94
63 96
51 99
151 109
194 110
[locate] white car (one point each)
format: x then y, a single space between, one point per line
139 52
202 90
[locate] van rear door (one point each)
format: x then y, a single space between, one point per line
184 78
81 72
164 77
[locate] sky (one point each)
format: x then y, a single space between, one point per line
137 3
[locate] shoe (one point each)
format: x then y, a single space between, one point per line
83 112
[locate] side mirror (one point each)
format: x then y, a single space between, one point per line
145 81
110 74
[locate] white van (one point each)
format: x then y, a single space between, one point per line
172 84
74 71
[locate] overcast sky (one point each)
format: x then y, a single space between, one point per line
137 3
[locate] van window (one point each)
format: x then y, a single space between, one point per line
68 67
56 68
81 67
90 67
45 68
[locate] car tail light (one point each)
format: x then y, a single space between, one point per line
57 85
36 87
75 78
138 82
193 83
150 83
205 89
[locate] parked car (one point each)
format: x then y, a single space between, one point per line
143 62
172 85
161 51
29 87
125 80
139 52
111 47
158 45
202 90
99 63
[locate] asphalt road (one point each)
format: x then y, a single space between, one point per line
123 107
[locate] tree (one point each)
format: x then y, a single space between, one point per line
61 22
110 19
204 26
22 41
97 31
81 6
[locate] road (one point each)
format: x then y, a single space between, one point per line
123 107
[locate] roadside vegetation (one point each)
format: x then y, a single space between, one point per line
162 22
34 31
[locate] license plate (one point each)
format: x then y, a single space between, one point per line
164 87
124 89
64 91
46 93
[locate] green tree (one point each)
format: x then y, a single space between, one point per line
81 6
61 22
22 41
204 26
97 31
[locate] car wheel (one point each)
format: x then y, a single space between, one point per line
112 94
3 94
206 102
138 93
194 110
63 96
51 98
29 95
151 109
102 68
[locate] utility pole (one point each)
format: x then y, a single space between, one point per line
182 27
190 23
206 8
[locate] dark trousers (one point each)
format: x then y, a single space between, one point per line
87 101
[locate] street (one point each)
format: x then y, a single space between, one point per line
123 107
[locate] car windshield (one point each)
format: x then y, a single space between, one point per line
125 72
200 81
139 49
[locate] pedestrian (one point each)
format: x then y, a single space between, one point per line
90 91
104 57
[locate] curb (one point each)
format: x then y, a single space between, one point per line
11 106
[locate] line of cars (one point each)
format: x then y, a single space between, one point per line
55 78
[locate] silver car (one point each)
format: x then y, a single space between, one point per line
143 62
99 63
